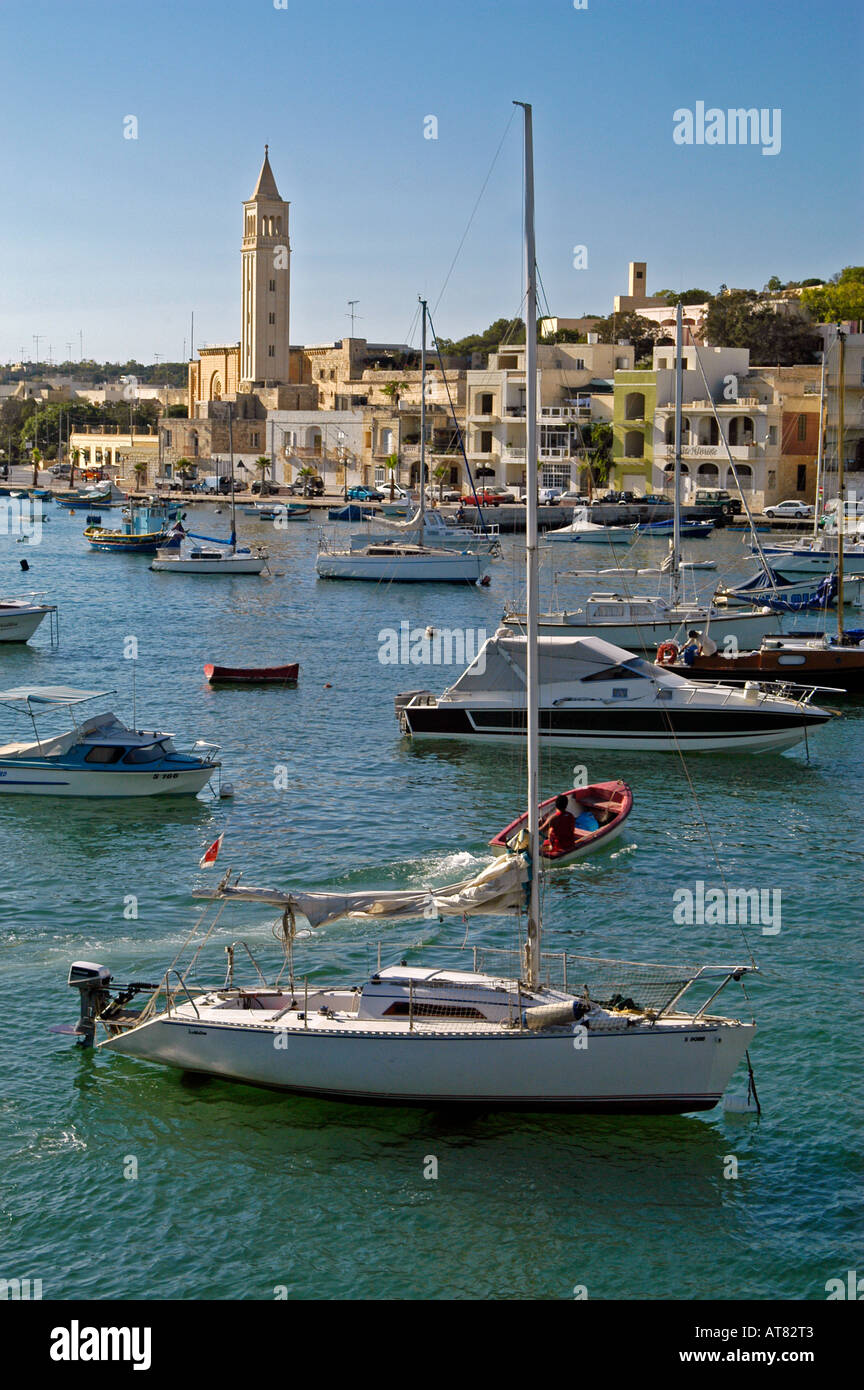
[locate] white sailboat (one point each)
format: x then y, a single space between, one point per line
515 1029
404 557
203 555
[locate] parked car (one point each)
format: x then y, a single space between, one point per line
718 497
265 488
382 491
308 486
489 496
574 498
652 499
60 470
790 508
363 494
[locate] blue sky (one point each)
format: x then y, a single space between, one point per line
122 239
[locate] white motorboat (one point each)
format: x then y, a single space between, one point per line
99 757
399 563
596 695
515 1029
642 624
589 532
20 617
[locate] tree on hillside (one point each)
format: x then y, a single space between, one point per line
840 300
674 297
503 332
745 319
631 328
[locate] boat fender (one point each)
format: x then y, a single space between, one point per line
553 1015
667 653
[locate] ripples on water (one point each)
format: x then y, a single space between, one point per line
330 1200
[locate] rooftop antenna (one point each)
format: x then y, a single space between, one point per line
352 313
80 344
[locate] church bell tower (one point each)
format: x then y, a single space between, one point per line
266 255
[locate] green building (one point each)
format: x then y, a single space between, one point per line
634 404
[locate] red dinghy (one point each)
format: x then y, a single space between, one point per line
609 802
252 675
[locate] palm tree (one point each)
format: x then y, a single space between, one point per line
140 471
262 463
36 459
183 469
392 464
73 464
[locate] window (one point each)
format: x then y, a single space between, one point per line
801 484
152 754
579 364
104 754
802 426
484 404
271 351
485 441
772 479
621 363
271 317
772 434
272 286
255 438
614 673
168 437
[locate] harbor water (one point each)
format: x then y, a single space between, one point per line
124 1179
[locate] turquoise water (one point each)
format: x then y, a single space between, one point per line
241 1192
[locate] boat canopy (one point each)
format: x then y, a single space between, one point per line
499 888
50 696
499 666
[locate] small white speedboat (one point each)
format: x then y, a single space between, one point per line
100 757
583 529
20 617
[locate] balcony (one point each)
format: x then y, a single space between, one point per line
512 453
565 412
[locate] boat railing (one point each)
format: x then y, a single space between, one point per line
641 985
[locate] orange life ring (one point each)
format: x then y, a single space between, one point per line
667 653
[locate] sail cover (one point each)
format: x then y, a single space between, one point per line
498 888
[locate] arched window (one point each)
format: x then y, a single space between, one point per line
634 406
708 431
215 389
741 430
708 475
745 477
193 443
634 444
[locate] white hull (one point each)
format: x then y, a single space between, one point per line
817 563
439 568
19 626
227 564
23 779
675 1065
747 629
639 741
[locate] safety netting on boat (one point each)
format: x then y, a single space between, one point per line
498 888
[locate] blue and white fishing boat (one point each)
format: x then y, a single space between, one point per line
97 757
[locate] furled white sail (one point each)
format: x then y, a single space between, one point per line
498 888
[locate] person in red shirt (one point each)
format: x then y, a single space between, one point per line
559 829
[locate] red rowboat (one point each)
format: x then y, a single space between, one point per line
253 675
609 802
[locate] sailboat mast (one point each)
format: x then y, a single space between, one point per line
679 392
819 446
532 692
841 474
423 422
231 469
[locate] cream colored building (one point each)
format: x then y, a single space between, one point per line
574 389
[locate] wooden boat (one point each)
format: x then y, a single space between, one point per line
252 675
798 659
609 802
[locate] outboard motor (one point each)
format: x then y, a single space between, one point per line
93 981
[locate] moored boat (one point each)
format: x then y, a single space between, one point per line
253 675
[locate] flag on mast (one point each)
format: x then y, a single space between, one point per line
212 854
